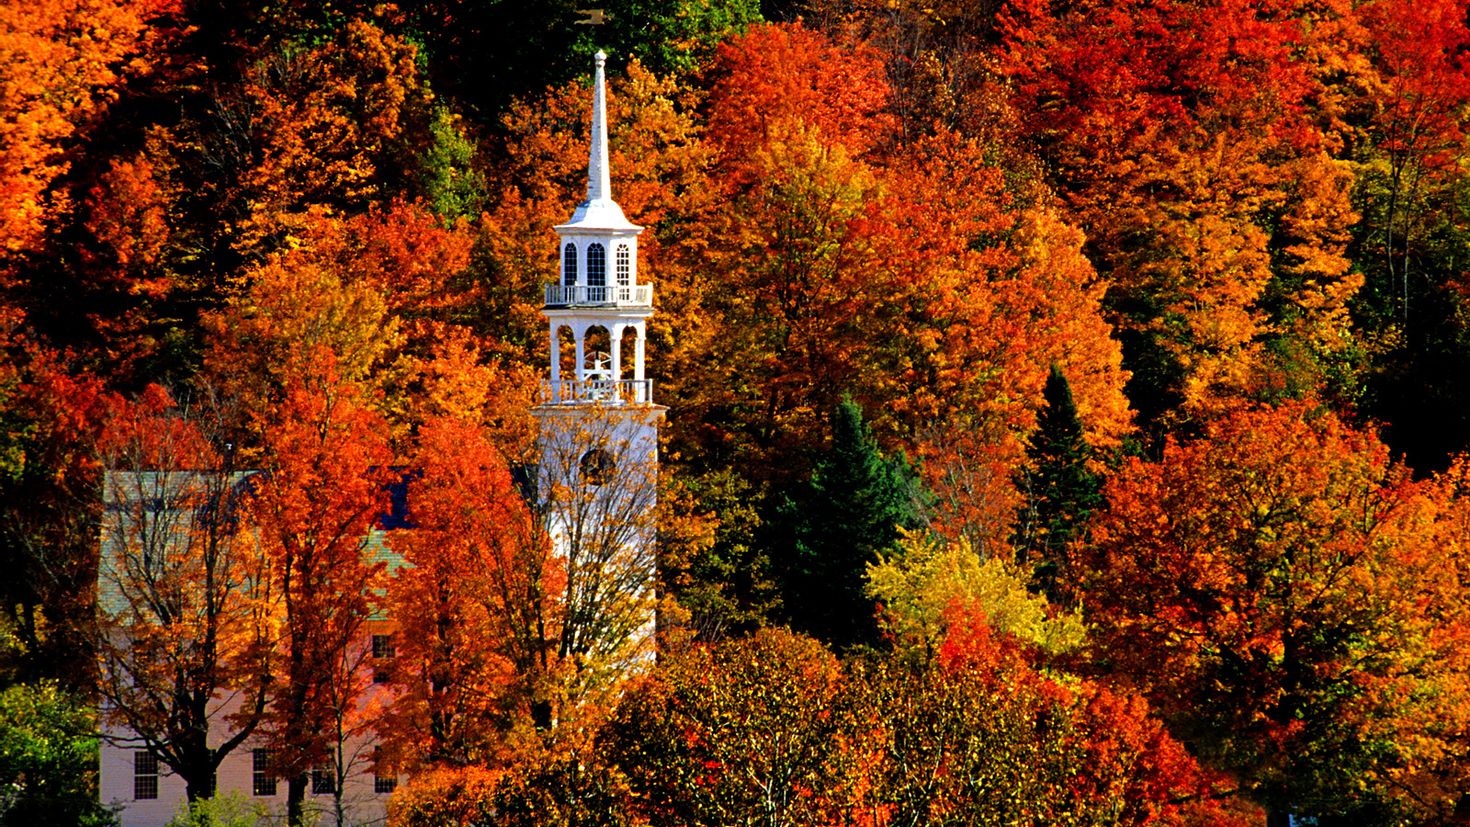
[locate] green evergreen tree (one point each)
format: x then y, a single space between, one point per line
485 53
1063 491
452 184
677 36
851 511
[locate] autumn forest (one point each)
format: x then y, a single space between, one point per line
1068 408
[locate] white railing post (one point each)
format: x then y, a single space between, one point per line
637 295
603 391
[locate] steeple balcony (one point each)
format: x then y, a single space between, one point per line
594 390
594 295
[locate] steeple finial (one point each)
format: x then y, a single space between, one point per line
599 182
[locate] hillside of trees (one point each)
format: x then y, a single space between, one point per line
1069 402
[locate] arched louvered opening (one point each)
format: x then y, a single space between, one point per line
569 265
596 350
596 265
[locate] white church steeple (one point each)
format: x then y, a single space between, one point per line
598 297
598 424
599 211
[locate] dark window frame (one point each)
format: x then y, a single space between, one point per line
145 776
569 265
323 780
262 777
596 265
383 646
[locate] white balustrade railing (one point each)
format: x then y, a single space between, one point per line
621 295
604 391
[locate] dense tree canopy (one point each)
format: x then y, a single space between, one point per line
48 758
1146 328
1281 589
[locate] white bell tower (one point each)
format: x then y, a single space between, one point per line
598 290
598 422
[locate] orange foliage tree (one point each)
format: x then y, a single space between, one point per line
907 276
61 64
324 127
469 606
1178 139
371 290
125 272
1278 588
320 490
461 378
777 75
185 611
514 640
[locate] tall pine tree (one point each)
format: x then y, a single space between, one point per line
851 510
1063 491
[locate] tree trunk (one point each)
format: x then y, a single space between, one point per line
296 800
200 786
193 748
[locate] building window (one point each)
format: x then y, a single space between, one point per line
383 783
569 266
597 466
145 776
323 780
624 266
383 646
382 676
596 265
263 780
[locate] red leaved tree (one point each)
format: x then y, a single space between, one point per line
1278 588
1178 137
321 488
473 634
53 414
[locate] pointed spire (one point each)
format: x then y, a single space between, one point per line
599 211
599 182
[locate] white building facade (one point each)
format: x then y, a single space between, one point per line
152 528
146 794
